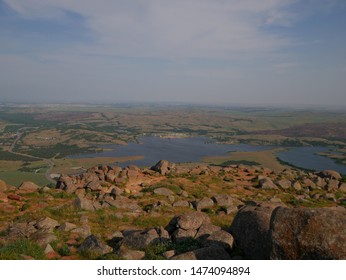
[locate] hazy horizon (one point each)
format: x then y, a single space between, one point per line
275 53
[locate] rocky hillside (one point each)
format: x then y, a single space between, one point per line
177 212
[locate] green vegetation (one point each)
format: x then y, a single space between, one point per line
4 155
155 252
15 178
238 162
20 249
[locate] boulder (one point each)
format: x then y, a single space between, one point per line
83 203
267 184
66 183
250 229
163 167
132 174
28 187
192 220
331 174
16 197
129 254
206 230
122 202
67 227
284 184
46 224
297 186
181 203
163 191
223 200
138 239
180 235
83 231
303 233
333 185
203 203
219 238
92 245
43 238
20 230
342 187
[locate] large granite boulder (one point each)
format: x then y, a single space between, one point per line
303 233
250 229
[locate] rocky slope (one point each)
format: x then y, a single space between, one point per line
177 212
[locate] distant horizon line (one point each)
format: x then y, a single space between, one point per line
174 103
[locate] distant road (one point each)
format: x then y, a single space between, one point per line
50 161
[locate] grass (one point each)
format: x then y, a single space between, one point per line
15 178
265 158
155 252
18 249
151 221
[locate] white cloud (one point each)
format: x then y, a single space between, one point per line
172 29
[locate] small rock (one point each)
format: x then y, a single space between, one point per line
67 227
206 230
28 187
207 253
16 197
181 203
223 200
297 186
203 203
284 184
94 246
180 235
46 224
129 254
267 184
192 220
163 191
140 239
333 185
163 167
219 238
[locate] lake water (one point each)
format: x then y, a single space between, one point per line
193 149
307 157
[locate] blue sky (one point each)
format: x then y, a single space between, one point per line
249 52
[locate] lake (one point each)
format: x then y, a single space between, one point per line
193 149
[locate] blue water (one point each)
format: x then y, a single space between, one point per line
307 157
193 149
177 150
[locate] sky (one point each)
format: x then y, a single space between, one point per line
248 52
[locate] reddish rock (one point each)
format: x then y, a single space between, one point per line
303 233
163 167
16 197
192 220
27 187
